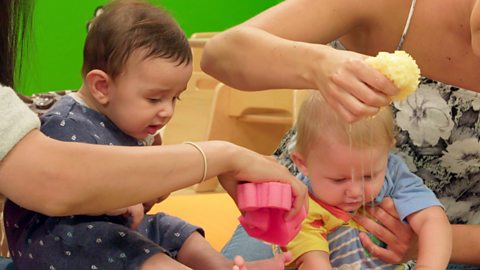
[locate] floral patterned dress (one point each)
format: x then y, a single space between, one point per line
438 136
438 131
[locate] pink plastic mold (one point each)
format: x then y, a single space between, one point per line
264 206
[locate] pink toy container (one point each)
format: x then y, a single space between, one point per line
264 206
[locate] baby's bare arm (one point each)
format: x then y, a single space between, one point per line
434 238
314 260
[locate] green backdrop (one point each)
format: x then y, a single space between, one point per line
54 56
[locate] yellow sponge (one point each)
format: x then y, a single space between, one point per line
400 68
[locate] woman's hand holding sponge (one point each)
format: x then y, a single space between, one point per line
399 67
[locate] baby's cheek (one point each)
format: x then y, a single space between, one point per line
371 191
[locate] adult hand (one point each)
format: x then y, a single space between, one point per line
257 168
400 239
350 86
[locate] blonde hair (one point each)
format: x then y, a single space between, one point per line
317 121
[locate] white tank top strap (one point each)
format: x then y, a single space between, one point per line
407 25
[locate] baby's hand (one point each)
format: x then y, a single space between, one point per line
147 206
135 214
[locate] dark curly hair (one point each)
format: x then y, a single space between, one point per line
125 26
15 22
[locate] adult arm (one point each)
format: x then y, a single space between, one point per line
466 244
475 30
280 48
65 178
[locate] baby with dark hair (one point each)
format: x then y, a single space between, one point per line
137 62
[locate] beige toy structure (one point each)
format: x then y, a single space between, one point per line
197 43
255 120
190 120
210 110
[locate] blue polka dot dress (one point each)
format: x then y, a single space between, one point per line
37 241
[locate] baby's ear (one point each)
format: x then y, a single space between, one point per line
300 162
98 83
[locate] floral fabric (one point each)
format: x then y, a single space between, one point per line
438 136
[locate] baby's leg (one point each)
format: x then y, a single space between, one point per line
275 263
162 261
239 263
198 254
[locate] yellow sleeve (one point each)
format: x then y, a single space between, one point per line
312 236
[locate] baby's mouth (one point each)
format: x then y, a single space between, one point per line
152 129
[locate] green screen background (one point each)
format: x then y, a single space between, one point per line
53 58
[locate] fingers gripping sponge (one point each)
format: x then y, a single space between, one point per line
264 206
400 68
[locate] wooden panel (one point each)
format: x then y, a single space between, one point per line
269 102
210 110
190 120
260 132
197 43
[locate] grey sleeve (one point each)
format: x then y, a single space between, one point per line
17 120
